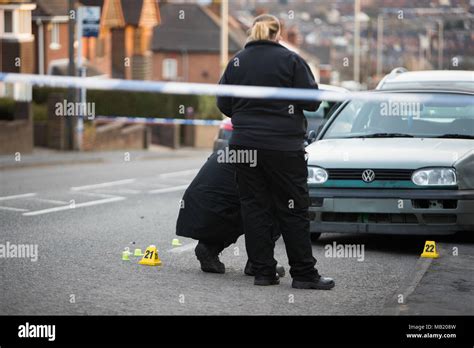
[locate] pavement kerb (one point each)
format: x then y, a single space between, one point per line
407 287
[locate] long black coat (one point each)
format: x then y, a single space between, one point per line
210 209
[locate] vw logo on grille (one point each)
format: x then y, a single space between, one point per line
368 175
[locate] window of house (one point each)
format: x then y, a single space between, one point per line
55 40
8 20
170 69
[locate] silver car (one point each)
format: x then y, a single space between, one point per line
376 169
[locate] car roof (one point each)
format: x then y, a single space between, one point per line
434 80
331 88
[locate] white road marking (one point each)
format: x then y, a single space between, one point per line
17 196
12 209
121 191
52 201
95 194
169 189
105 184
79 205
184 248
182 172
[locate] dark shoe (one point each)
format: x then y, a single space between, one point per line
280 270
209 259
265 281
320 283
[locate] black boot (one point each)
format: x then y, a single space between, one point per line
208 256
319 283
250 272
266 281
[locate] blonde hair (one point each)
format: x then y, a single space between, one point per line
265 27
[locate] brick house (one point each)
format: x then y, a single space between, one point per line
186 46
50 28
126 30
16 56
16 38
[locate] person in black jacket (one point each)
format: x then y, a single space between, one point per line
274 187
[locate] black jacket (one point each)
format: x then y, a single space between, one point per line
264 123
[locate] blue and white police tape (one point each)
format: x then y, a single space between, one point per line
254 92
156 120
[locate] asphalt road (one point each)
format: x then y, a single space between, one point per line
79 269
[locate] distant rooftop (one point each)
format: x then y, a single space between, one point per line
198 31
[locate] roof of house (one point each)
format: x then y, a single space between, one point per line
198 31
132 10
50 8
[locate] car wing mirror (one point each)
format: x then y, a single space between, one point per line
312 135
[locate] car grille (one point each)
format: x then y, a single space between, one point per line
380 174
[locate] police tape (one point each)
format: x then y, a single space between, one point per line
156 120
249 92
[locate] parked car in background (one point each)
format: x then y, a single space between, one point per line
405 173
315 119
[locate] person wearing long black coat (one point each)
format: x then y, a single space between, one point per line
210 213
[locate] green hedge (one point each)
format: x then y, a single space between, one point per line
119 103
7 108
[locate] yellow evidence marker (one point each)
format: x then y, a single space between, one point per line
429 251
151 257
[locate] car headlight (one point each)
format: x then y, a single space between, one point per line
434 177
317 175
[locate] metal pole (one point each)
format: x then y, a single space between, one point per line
224 33
380 45
71 72
356 41
82 72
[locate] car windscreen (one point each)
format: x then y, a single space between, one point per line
360 119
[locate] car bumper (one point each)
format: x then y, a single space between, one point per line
417 212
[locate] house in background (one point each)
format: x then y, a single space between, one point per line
16 56
186 46
50 28
126 30
16 37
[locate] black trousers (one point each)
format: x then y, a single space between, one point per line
275 191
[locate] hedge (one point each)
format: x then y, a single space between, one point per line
120 103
